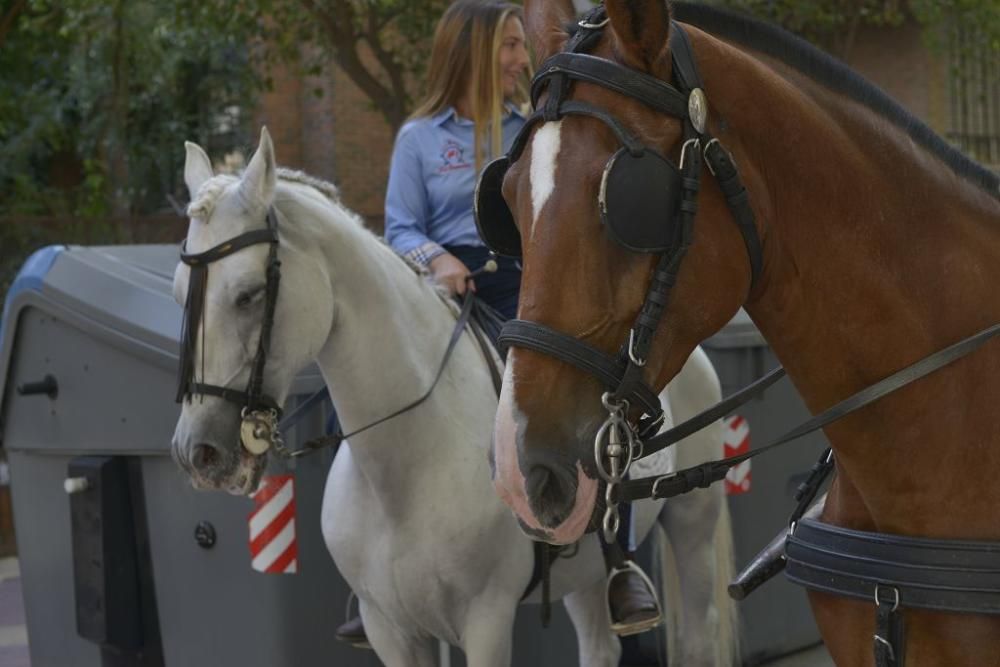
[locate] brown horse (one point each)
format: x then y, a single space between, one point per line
879 245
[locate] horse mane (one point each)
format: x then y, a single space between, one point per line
332 193
326 188
203 204
824 69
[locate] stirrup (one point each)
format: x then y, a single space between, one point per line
625 629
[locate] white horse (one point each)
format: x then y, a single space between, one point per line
409 513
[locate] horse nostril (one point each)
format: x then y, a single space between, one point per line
550 495
538 482
204 456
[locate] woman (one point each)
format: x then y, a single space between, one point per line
477 94
473 110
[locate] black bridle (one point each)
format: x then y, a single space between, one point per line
255 405
623 373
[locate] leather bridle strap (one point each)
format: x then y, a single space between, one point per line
253 398
721 164
709 416
706 474
649 90
540 338
241 398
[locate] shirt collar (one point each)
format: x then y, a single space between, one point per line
449 113
444 115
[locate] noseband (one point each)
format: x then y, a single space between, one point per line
260 412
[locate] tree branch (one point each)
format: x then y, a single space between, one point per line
387 61
339 26
8 20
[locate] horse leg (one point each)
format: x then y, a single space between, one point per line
489 627
394 648
690 521
588 609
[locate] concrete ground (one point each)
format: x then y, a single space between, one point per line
13 633
813 657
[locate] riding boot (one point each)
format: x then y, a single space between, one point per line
353 633
632 603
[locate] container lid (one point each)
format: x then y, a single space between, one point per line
123 294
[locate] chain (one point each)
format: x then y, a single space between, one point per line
614 443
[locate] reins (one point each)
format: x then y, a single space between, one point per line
334 439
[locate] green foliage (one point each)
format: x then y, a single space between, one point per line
97 97
981 17
833 23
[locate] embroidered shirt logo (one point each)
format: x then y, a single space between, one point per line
453 156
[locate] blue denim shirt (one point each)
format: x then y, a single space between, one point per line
432 180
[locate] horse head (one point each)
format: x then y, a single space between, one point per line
574 192
245 337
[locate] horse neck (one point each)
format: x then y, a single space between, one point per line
876 254
389 336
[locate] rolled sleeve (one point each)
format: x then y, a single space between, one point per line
406 206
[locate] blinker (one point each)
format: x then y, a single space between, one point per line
493 217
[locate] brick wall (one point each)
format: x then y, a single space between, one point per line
363 148
327 127
896 60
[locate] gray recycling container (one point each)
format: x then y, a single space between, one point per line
144 587
776 617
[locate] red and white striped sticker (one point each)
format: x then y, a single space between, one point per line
273 547
737 441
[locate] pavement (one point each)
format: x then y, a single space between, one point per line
816 656
13 632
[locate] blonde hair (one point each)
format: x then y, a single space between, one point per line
464 56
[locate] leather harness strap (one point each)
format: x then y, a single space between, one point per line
706 474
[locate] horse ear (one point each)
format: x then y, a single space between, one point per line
545 25
642 27
197 168
260 178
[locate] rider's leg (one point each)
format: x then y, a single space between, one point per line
631 600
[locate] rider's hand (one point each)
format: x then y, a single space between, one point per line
450 272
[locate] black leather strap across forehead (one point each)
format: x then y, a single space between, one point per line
226 248
649 90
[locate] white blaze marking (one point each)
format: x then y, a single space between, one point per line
544 150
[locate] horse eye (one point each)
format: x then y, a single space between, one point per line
247 297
